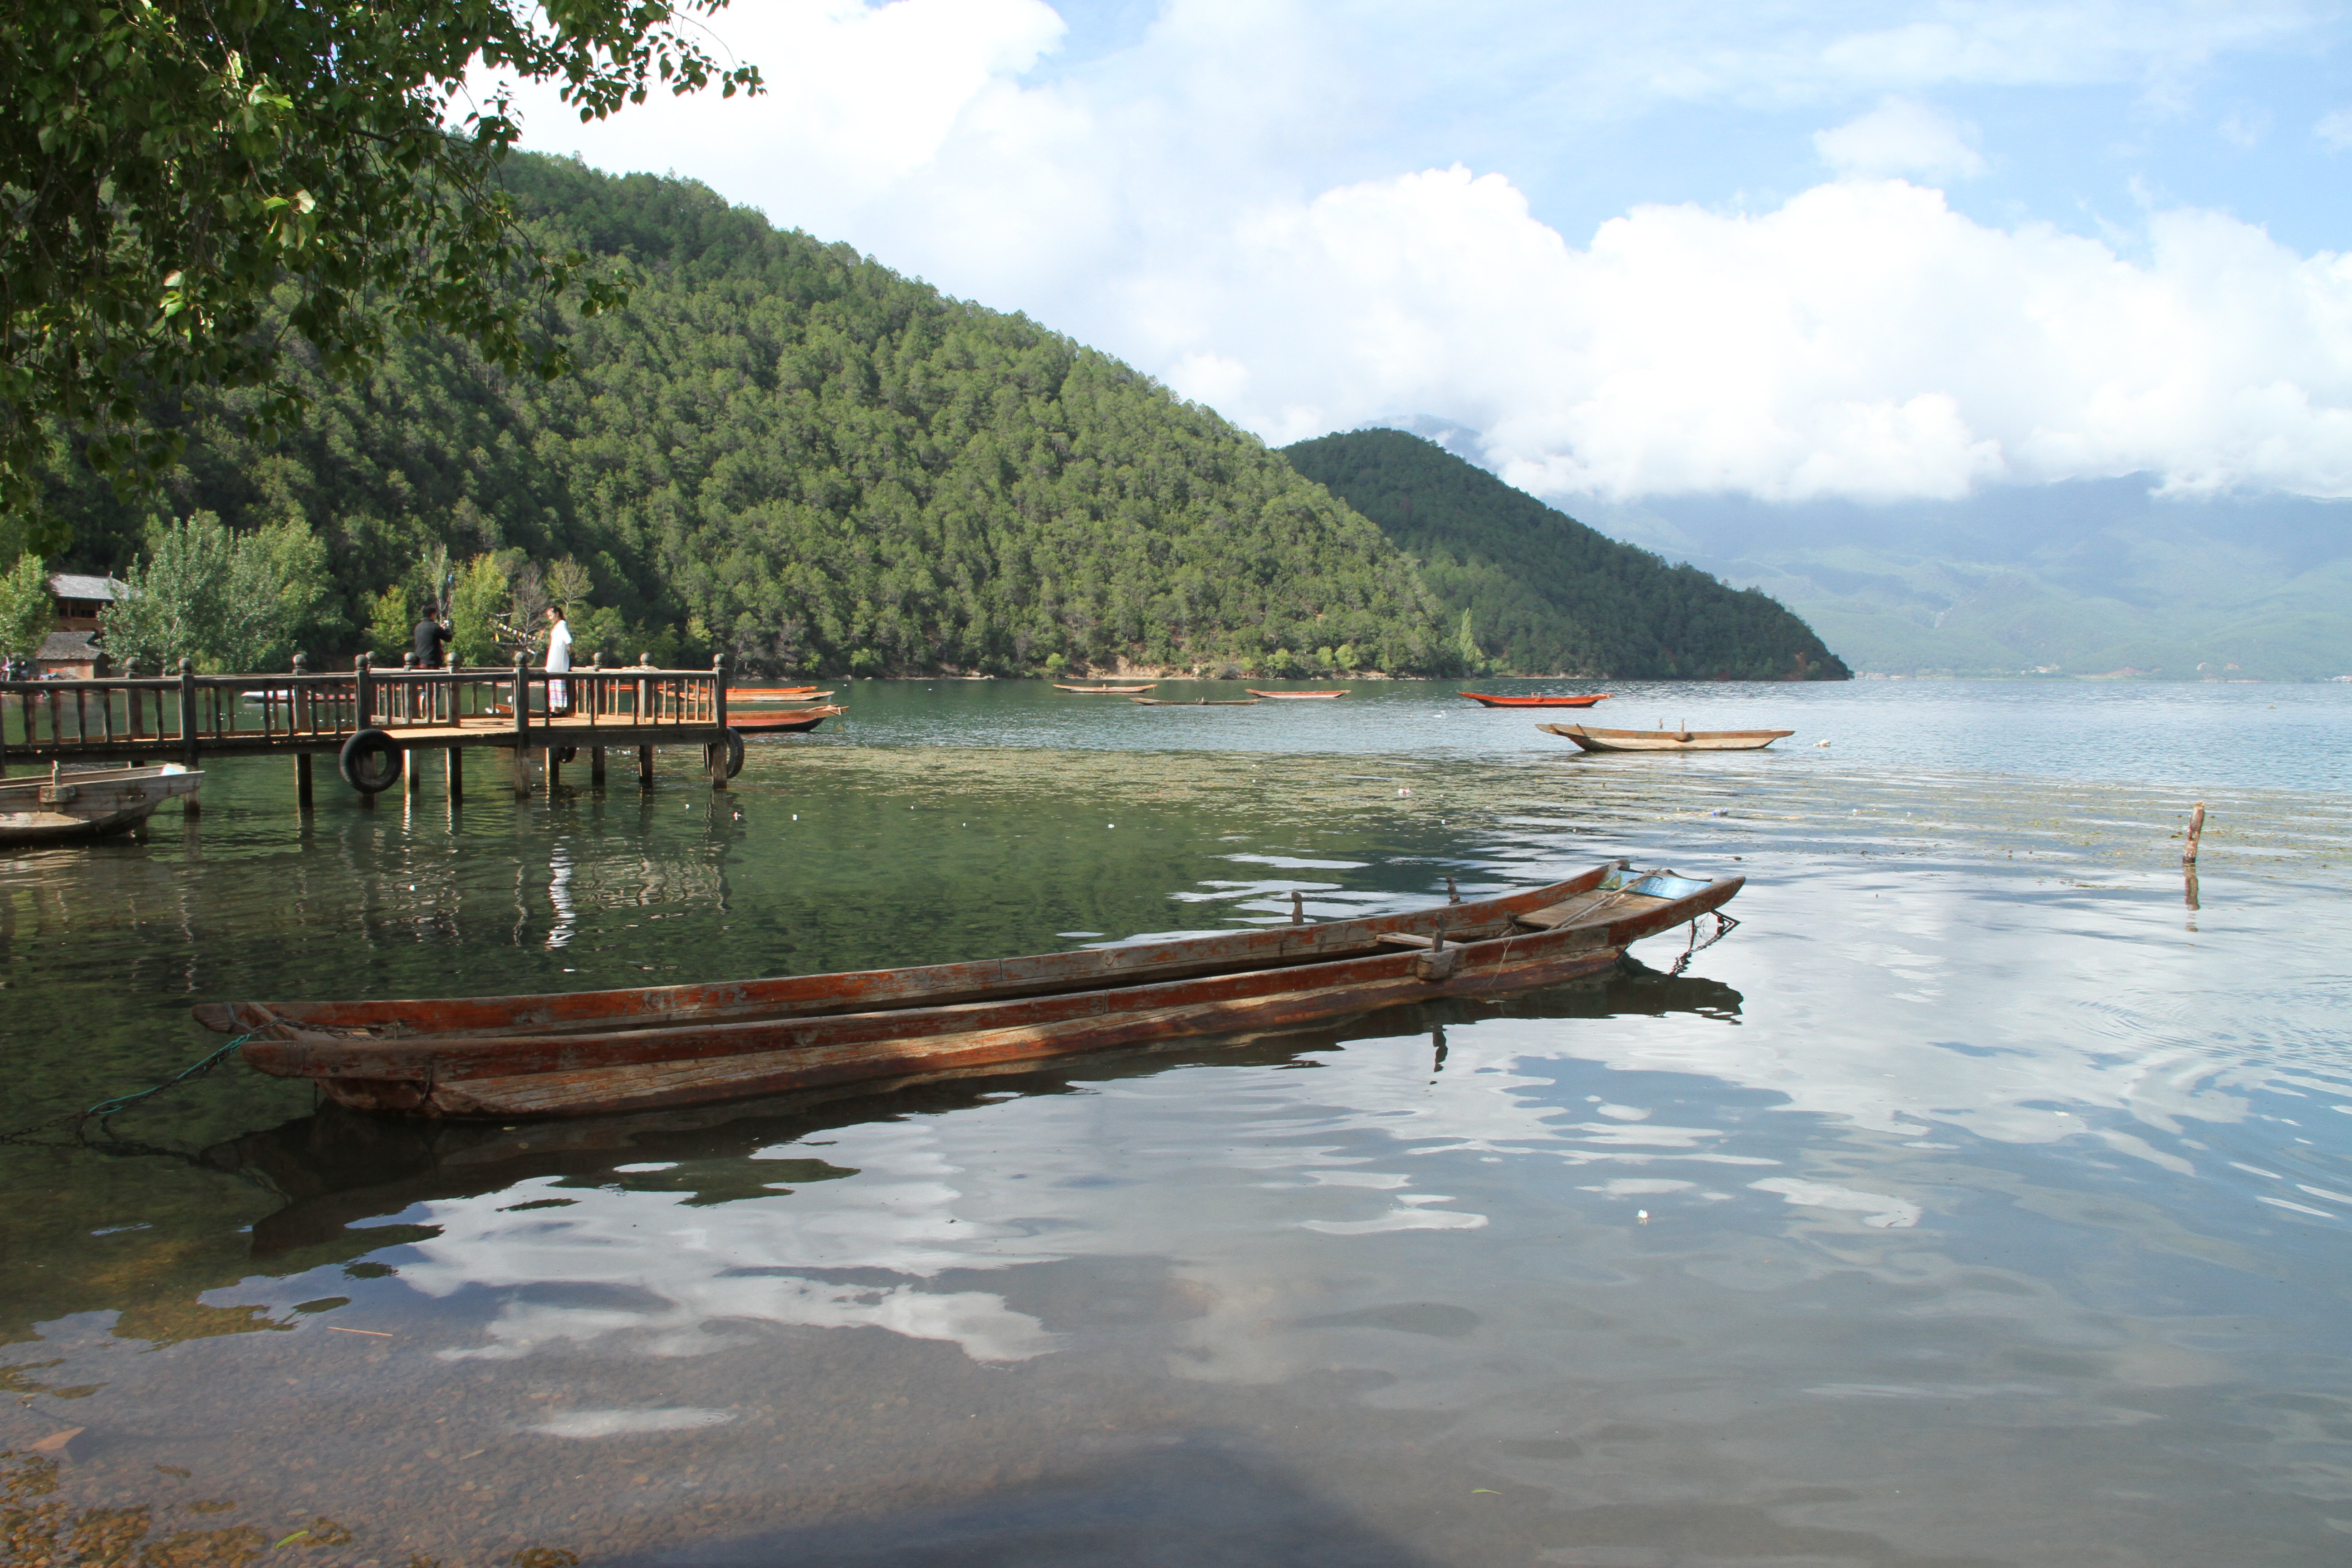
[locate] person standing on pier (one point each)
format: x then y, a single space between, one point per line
559 660
432 633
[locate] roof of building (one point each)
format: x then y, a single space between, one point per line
74 586
68 646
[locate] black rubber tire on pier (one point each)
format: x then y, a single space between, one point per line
734 751
371 762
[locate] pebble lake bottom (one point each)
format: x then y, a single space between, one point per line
1979 1201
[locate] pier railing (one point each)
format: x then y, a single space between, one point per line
182 717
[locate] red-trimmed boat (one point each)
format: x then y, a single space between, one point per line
1488 700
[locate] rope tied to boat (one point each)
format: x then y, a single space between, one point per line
1724 926
122 1102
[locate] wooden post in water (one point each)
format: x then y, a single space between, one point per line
645 767
188 728
457 757
2196 831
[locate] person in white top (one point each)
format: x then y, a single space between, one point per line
559 660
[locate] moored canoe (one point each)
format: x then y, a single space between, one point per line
588 1052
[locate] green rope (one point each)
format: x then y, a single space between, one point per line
121 1102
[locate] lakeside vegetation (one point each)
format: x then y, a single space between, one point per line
1530 589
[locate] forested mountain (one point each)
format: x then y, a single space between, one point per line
1531 590
786 450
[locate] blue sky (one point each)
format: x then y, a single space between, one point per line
1876 251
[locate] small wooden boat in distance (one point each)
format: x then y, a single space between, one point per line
1293 696
90 803
1593 739
1195 702
586 1052
774 694
1488 700
1105 691
797 720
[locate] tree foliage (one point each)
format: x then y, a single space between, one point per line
27 608
784 450
230 601
1540 594
186 183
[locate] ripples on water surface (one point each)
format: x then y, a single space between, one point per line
1977 1202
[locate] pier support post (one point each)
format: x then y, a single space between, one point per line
554 770
411 769
521 727
188 728
645 767
302 781
719 716
596 767
456 776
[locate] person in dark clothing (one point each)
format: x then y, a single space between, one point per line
430 634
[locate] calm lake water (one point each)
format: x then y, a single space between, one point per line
1982 1199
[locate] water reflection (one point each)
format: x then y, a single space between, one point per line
1962 1170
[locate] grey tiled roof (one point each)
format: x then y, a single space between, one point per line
73 585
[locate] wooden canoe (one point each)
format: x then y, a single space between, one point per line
774 694
1195 702
1593 739
797 720
1489 700
59 808
586 1052
1105 690
1292 696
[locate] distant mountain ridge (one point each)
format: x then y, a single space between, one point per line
2091 578
1529 590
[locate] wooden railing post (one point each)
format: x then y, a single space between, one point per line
364 692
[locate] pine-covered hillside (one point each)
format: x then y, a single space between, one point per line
788 451
1529 590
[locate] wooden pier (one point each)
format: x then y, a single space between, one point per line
374 722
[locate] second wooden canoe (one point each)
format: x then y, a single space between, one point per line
1593 739
1293 696
1196 702
1105 691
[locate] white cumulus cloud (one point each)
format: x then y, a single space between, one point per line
1901 137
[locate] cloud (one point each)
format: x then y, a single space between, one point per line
1861 340
1239 199
2335 129
1900 137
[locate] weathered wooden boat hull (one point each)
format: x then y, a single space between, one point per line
1592 740
93 803
673 1045
1196 702
1487 700
1293 696
758 695
1104 690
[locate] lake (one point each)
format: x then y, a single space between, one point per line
1983 1198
